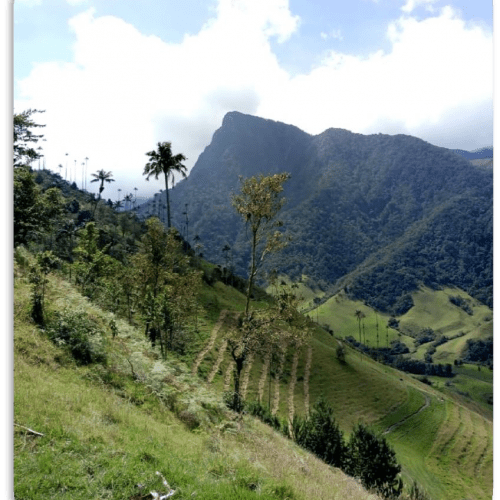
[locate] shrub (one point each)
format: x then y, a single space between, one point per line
373 461
74 331
233 403
325 439
263 413
189 419
320 434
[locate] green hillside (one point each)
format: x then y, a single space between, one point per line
131 352
98 414
102 431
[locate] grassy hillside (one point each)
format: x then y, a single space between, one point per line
107 429
438 430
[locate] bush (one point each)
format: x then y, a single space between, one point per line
74 331
373 461
320 434
264 413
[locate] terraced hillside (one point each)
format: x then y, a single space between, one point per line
441 441
113 430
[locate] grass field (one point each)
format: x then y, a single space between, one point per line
99 432
104 432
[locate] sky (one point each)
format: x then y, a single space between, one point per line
115 77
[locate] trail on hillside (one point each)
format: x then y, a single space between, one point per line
403 420
279 371
210 343
307 373
245 376
291 388
263 376
218 361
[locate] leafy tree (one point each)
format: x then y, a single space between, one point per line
53 207
27 207
24 153
373 461
162 161
320 434
166 285
35 212
259 204
93 265
65 240
46 262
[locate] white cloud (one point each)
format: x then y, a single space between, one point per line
124 91
436 66
76 2
335 34
411 5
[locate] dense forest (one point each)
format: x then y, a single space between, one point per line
377 215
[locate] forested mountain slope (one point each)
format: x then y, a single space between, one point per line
376 214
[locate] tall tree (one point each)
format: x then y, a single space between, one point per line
128 198
101 176
359 316
166 285
258 204
162 161
25 138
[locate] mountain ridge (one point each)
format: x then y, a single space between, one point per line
349 197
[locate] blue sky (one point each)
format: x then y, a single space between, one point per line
117 76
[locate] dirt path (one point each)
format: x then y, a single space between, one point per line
291 388
210 343
218 361
263 376
307 373
402 421
279 371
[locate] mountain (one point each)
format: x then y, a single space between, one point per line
477 154
377 214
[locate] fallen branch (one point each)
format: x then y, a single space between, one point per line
31 431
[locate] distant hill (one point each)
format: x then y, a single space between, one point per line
477 154
374 214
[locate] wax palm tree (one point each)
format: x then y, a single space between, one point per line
117 205
162 161
128 200
359 315
101 176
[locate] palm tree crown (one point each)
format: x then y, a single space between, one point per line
102 176
162 161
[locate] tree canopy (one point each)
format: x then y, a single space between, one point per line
162 161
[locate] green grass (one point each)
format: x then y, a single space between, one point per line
106 432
